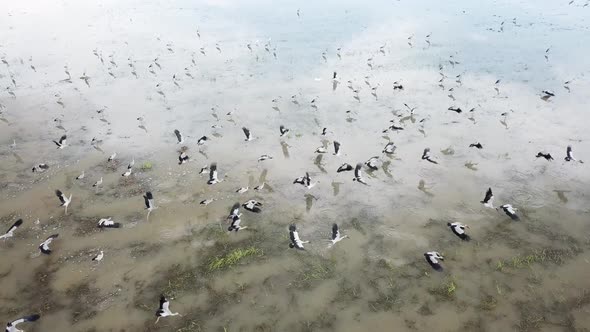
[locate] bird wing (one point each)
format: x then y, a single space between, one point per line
213 172
15 226
148 197
282 129
178 135
489 195
62 140
335 232
61 196
357 171
246 132
336 147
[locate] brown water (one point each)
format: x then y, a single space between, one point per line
529 275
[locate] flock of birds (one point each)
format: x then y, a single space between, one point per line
234 222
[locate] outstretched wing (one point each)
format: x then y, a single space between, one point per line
358 171
61 196
178 135
246 132
335 232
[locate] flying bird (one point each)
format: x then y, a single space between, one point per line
569 154
459 230
179 137
149 203
97 183
182 158
65 201
305 181
40 168
235 224
247 133
164 309
108 223
476 145
372 163
284 131
98 256
336 236
345 168
112 157
295 240
488 200
510 211
10 232
389 148
81 176
235 211
242 190
455 109
253 206
264 157
213 179
358 176
44 247
433 257
547 156
11 326
62 143
336 148
426 156
202 140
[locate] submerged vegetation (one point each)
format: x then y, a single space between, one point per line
232 258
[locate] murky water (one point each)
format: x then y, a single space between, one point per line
190 65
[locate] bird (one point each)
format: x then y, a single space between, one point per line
284 131
213 179
179 137
202 140
372 163
149 202
81 176
98 256
182 158
476 145
264 157
358 176
510 211
127 172
234 211
345 168
459 230
10 232
247 133
305 181
397 86
65 201
426 156
44 247
336 148
40 168
108 223
336 236
433 257
112 157
548 93
11 326
235 224
455 109
295 240
62 143
97 183
324 131
164 309
389 148
253 206
204 170
242 190
321 149
259 187
547 156
131 164
488 200
569 154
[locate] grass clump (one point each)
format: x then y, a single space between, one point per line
146 166
541 256
233 258
445 291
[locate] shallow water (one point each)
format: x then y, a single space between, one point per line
528 275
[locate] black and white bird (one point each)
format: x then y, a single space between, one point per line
213 179
127 172
10 232
98 183
253 206
108 223
324 131
569 154
44 247
305 181
148 199
321 149
548 93
259 187
242 190
488 200
283 130
179 137
336 148
65 201
336 236
459 230
249 136
98 256
433 258
476 145
204 170
11 326
164 309
426 156
373 163
455 109
40 168
547 156
510 211
389 148
235 224
345 168
235 211
182 158
207 201
358 174
295 240
81 176
112 157
202 140
62 143
264 157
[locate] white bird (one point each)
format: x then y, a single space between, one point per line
149 203
207 201
336 236
305 180
127 172
259 187
433 257
358 175
569 154
510 211
44 247
247 133
10 232
389 148
164 309
426 156
98 183
242 190
81 176
284 131
344 168
253 206
178 136
11 326
295 240
62 143
202 140
40 168
321 149
373 163
235 211
183 158
213 179
98 256
204 170
264 157
112 157
459 230
65 201
131 164
336 148
488 201
235 224
108 223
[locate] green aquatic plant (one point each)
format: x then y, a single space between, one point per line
233 258
538 256
445 291
146 166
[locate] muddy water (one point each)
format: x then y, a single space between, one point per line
528 276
